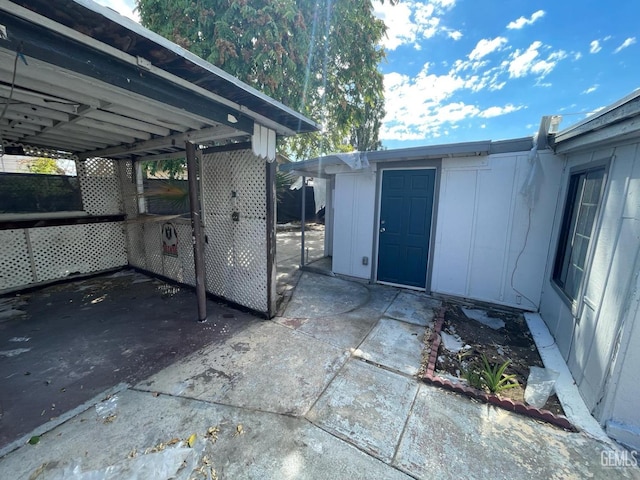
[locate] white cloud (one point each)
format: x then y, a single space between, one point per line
497 111
454 34
529 61
523 21
591 89
425 106
485 46
435 101
412 21
594 111
123 7
594 47
627 43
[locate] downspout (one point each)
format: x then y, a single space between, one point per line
196 229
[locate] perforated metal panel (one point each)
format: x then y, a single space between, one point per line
100 186
15 266
236 254
65 250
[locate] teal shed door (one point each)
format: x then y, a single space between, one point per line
406 206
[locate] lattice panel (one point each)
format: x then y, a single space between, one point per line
135 245
15 267
152 240
65 250
100 186
185 253
144 248
236 254
128 188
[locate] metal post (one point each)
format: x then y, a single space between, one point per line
304 208
196 229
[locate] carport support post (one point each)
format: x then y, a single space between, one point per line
302 219
196 228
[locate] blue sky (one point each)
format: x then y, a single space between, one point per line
464 70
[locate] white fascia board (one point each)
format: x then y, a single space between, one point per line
624 109
627 129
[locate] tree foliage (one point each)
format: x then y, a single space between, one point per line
44 165
320 57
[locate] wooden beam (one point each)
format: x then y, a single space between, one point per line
208 134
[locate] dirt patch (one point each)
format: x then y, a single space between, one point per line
466 340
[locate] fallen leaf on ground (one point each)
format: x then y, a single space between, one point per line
110 418
192 440
212 433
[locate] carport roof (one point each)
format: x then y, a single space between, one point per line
80 78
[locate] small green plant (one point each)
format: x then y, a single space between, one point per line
494 377
473 378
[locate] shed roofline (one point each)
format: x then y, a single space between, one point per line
447 150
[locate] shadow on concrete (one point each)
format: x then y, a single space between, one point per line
77 339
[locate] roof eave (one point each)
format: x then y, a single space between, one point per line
619 118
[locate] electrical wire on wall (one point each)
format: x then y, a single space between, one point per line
515 267
529 191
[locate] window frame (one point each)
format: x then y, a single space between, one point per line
567 228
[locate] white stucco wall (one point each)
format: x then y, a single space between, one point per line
483 225
606 380
353 223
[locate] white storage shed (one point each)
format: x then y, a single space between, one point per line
471 220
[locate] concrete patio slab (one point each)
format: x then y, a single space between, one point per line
266 367
288 254
366 405
413 308
270 446
322 296
348 330
394 344
449 436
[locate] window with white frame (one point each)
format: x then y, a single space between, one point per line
582 204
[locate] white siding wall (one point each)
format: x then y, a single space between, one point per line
353 223
483 224
590 344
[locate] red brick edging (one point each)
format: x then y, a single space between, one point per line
519 407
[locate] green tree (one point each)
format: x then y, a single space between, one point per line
45 165
320 57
